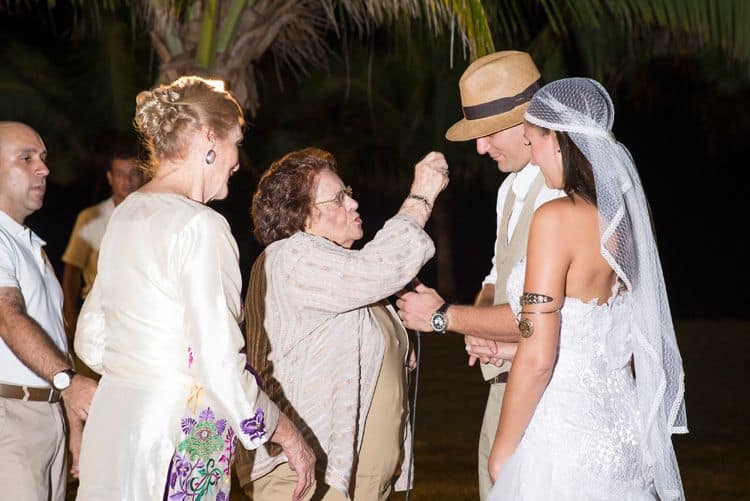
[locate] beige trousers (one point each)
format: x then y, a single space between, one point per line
280 483
32 451
487 436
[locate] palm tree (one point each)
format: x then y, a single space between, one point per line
226 38
230 38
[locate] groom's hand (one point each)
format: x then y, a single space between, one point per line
484 350
416 308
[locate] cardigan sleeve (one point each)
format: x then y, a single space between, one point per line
330 279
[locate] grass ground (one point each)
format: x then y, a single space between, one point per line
714 458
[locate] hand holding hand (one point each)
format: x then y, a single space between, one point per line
484 350
416 308
430 176
78 396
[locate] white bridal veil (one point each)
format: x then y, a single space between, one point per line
582 108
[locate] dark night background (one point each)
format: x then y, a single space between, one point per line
683 118
383 103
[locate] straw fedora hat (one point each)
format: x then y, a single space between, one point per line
495 92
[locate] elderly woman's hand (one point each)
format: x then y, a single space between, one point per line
300 456
430 177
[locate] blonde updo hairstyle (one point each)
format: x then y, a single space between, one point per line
165 117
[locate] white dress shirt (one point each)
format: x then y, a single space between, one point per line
520 182
24 265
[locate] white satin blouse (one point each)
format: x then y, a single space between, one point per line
161 326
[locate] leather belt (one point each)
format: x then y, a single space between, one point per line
500 378
29 394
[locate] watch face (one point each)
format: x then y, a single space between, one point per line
438 322
61 380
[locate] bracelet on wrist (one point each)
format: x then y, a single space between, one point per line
421 199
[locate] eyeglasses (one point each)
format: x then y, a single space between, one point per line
339 198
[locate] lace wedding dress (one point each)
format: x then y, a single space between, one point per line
583 441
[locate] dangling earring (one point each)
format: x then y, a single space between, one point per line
210 156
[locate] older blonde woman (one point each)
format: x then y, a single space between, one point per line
336 350
161 322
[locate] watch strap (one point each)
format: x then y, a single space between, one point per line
440 313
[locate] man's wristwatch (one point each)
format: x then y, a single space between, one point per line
61 380
439 320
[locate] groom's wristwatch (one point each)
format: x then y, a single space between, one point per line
439 319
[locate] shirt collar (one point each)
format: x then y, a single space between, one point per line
523 181
19 230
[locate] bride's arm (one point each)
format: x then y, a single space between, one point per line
548 260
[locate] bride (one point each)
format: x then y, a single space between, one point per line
597 386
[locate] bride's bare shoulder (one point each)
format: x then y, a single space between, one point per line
567 209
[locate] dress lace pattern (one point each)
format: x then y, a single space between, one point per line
583 441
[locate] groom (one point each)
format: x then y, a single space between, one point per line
495 92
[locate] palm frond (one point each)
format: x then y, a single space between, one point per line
718 23
468 15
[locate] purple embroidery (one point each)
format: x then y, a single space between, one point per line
220 425
254 427
200 465
190 357
187 425
230 445
207 414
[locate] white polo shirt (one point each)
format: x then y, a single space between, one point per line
520 182
23 265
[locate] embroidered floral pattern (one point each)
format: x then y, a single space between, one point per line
199 470
254 427
191 358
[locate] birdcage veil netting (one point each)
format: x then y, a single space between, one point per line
582 108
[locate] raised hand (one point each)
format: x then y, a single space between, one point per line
430 176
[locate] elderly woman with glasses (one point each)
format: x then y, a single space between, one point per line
328 347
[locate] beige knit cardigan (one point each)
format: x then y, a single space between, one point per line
325 346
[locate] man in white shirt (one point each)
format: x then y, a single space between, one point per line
82 253
495 91
35 370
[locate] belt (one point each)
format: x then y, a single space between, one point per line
29 394
500 378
